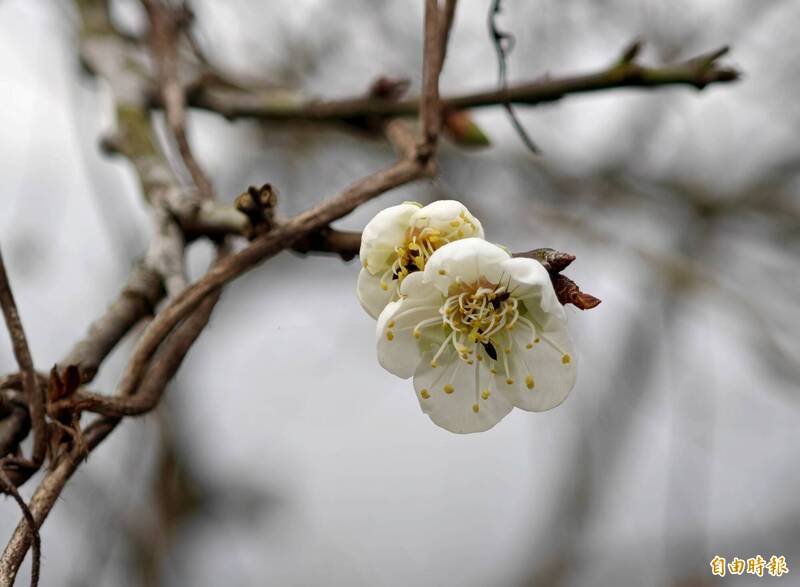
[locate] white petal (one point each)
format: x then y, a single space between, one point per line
468 259
450 217
529 281
382 234
399 351
372 296
543 375
456 411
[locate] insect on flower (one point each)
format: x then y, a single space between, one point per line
398 242
480 332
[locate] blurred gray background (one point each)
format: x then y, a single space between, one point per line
284 454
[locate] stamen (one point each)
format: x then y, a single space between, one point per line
425 324
509 380
477 384
441 350
550 342
532 328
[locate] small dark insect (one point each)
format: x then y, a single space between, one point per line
500 298
490 350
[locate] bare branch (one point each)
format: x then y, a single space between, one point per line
698 72
328 240
432 61
22 354
136 301
33 530
159 371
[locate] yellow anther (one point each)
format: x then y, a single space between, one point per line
425 394
529 382
384 287
529 346
417 334
442 272
389 335
566 359
454 223
507 350
476 408
479 357
390 324
470 362
486 394
493 370
449 388
364 264
460 234
537 340
510 381
433 364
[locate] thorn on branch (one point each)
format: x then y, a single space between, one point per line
631 52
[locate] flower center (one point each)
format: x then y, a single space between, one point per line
420 243
415 252
478 312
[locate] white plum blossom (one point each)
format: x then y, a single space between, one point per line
399 240
480 332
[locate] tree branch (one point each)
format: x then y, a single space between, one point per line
697 72
30 385
166 25
33 530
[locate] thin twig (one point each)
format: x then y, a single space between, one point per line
446 20
429 110
22 353
166 24
503 44
33 530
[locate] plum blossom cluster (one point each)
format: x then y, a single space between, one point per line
480 331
